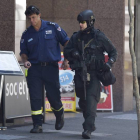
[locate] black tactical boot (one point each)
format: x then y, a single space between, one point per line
86 134
36 129
59 122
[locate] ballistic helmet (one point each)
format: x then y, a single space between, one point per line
87 16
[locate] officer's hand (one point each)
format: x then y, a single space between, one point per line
65 64
27 64
76 55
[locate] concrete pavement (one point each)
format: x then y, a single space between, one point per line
110 126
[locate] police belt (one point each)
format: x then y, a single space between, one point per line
46 63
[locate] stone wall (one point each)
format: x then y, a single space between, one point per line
7 25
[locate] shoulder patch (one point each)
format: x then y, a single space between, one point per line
59 29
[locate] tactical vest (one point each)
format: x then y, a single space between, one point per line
93 52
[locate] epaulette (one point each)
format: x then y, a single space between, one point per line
55 25
51 23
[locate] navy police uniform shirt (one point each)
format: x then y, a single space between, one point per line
43 45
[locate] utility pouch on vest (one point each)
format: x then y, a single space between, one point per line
106 77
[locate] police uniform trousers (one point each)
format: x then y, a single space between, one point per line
89 105
38 76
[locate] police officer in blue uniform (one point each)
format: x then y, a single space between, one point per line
94 43
40 52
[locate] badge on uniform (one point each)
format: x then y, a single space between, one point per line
59 29
30 39
22 40
49 32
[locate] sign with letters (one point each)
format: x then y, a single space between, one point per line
17 102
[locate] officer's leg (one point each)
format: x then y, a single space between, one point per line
93 96
79 88
35 90
90 113
85 107
82 105
53 94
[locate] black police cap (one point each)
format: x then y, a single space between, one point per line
32 10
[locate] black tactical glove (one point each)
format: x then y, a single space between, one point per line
76 55
107 66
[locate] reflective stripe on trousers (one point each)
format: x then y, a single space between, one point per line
57 110
38 112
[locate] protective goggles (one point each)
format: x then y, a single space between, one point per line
83 22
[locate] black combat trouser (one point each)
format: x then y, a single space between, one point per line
89 105
37 77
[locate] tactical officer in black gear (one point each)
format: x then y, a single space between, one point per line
95 44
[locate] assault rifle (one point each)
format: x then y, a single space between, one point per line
84 70
79 65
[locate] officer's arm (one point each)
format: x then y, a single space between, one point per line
24 58
66 44
24 51
63 49
63 39
65 64
108 47
62 36
68 49
23 44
